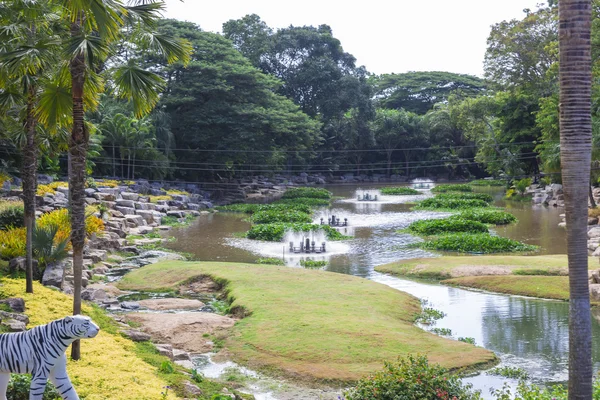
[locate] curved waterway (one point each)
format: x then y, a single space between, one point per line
529 333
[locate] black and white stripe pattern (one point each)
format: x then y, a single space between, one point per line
41 352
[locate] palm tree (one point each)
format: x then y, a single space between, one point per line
575 152
95 28
28 54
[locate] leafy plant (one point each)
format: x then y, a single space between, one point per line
446 225
18 388
469 340
411 378
166 367
488 216
12 216
487 182
429 316
399 191
276 231
270 261
271 216
466 195
452 188
509 372
522 185
481 243
436 203
313 264
306 192
47 249
441 331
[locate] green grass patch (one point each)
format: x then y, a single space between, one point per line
270 261
398 191
545 287
346 331
313 264
275 232
543 272
307 192
459 266
465 195
452 188
430 227
487 182
488 216
178 222
479 243
273 216
440 204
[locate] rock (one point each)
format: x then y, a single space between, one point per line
180 355
100 270
595 278
16 304
181 198
19 264
136 336
131 249
19 317
54 274
44 179
596 253
93 294
105 242
595 291
130 196
176 214
133 221
14 326
163 208
191 390
69 279
165 350
126 203
96 255
592 221
125 210
148 215
89 192
171 304
130 305
594 233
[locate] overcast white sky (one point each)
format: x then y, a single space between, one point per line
384 35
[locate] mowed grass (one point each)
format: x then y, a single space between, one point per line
314 325
458 266
545 287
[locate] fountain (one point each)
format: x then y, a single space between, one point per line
367 197
335 221
422 184
307 246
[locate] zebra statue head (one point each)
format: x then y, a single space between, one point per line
79 327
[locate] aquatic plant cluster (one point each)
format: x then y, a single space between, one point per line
398 191
467 231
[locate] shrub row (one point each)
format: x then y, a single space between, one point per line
12 216
436 203
253 208
273 216
305 201
432 227
398 191
480 243
452 188
307 192
465 195
487 182
488 216
276 231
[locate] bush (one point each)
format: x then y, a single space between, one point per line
313 264
275 232
436 203
481 243
463 195
12 243
272 216
12 216
447 225
488 216
509 372
522 185
452 188
398 191
306 201
487 182
270 261
306 192
411 378
18 388
253 208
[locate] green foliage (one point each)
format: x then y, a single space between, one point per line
18 389
441 331
522 185
166 367
429 316
12 216
480 243
270 261
488 216
487 182
313 264
436 203
253 208
462 195
509 372
275 232
402 190
305 201
273 216
446 225
469 340
46 249
306 192
463 187
411 378
540 271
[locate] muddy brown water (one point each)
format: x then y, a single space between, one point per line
528 333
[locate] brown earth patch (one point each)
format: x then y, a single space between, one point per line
171 304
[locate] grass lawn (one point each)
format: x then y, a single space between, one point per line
314 325
458 266
546 287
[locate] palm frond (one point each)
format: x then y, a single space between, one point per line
141 87
172 49
145 14
90 45
55 105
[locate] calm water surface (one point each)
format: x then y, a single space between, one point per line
524 332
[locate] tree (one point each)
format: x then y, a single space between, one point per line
26 60
250 36
575 74
95 28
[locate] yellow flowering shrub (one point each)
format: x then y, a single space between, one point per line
12 243
4 178
108 183
43 190
108 368
156 199
175 191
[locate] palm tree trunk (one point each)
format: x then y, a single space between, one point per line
128 166
133 168
575 153
591 196
78 146
389 162
29 177
113 161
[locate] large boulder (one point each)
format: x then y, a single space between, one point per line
594 232
16 304
130 196
133 221
93 294
136 336
96 255
54 274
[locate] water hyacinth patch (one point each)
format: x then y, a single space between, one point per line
307 192
275 232
399 191
452 188
436 203
488 216
305 201
465 195
273 216
447 225
480 243
487 182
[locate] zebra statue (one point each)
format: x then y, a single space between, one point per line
40 352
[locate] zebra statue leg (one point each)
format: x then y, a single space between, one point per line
60 379
4 379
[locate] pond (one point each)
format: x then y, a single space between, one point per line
524 332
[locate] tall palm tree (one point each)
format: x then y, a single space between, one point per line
95 28
29 53
575 153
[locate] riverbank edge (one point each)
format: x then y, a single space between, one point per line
237 348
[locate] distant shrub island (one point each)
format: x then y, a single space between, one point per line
481 243
487 182
452 188
272 216
307 192
437 203
488 216
398 191
276 231
465 196
431 227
